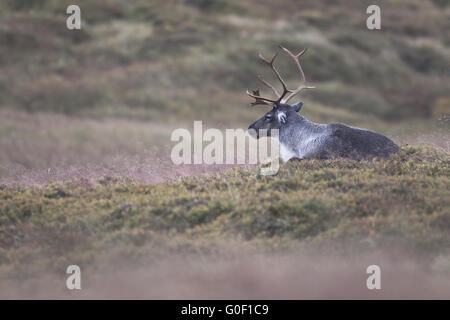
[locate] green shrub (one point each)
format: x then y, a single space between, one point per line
214 6
332 203
425 59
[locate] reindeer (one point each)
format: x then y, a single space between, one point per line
302 139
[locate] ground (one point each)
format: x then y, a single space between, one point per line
398 207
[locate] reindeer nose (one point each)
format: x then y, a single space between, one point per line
253 132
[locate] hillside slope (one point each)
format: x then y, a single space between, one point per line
156 60
339 206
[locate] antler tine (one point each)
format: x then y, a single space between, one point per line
280 98
256 95
260 78
295 57
270 63
302 85
259 99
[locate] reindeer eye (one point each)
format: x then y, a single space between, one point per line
268 117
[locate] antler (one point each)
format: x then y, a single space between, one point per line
302 85
259 100
266 101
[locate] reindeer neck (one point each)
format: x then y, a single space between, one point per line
298 128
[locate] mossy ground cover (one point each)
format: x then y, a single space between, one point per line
339 206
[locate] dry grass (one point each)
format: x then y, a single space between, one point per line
242 274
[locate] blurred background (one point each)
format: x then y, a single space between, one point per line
109 95
99 105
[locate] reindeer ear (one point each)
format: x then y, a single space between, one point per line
297 106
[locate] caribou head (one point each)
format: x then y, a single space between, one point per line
278 115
